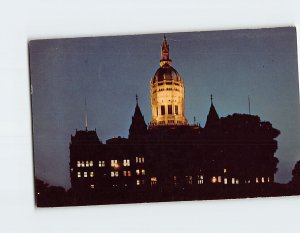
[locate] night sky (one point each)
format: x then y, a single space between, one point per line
110 71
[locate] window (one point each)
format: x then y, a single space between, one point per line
114 163
156 111
139 159
114 174
126 173
162 109
233 180
137 171
153 181
101 163
176 109
263 179
268 179
256 180
199 179
189 179
219 179
237 181
170 109
85 174
91 163
225 170
78 174
126 162
87 163
82 164
225 180
92 186
143 172
78 163
91 174
138 182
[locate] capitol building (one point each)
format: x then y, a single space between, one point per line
169 156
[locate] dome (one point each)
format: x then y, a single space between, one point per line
166 72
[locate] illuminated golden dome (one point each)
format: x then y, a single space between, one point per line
167 93
166 72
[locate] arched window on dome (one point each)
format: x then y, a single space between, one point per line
162 110
170 109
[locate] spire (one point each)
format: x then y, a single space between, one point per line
164 56
137 99
86 118
138 125
212 117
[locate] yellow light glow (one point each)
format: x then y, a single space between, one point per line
213 179
225 170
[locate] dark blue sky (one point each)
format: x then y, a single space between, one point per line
109 71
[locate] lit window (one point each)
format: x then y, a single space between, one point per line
85 174
233 180
102 163
225 170
225 180
114 163
139 159
213 179
78 174
263 179
138 182
87 163
114 174
91 163
91 174
78 163
189 179
92 186
237 181
174 178
219 179
199 179
143 172
268 179
126 162
82 164
126 173
137 171
257 180
153 181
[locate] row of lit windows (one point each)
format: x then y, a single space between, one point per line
85 163
85 174
140 172
170 110
114 163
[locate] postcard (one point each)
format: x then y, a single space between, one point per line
165 117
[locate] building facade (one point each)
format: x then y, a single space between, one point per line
170 155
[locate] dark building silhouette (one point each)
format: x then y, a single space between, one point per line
170 159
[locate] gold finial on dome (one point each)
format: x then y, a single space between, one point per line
165 53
